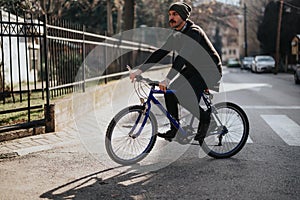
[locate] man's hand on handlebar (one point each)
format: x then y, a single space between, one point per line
132 75
164 84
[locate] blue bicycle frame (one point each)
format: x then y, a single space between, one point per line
148 105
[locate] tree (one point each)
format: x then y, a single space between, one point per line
19 6
129 14
92 14
254 16
53 7
110 29
119 7
267 30
218 41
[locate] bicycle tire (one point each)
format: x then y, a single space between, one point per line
130 152
236 121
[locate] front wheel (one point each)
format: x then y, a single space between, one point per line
126 141
227 138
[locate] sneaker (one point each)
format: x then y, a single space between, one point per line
203 126
201 133
170 134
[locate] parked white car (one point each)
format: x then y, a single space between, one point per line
263 64
247 62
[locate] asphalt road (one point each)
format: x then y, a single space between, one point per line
267 168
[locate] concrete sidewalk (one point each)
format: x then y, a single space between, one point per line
36 143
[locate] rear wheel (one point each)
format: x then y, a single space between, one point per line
126 142
226 140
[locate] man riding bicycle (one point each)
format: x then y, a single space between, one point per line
198 65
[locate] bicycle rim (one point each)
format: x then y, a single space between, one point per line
236 122
120 145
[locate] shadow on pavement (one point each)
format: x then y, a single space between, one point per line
184 179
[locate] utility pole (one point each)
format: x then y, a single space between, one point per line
245 30
277 56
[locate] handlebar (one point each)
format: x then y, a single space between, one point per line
150 82
140 78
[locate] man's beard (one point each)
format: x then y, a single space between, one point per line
173 21
176 26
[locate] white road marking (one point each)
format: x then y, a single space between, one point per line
229 87
249 140
287 129
269 107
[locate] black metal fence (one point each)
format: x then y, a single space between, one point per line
22 58
41 59
78 57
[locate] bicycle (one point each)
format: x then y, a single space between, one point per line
131 134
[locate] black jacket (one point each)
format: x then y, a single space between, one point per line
196 55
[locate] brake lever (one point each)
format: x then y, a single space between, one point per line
139 78
129 68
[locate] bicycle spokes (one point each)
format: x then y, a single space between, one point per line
228 132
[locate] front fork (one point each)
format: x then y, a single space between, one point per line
145 112
221 130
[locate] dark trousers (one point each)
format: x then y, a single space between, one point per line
188 94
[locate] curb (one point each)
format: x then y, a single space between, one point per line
11 135
33 149
8 155
37 143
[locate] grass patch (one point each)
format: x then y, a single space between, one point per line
21 101
20 117
36 98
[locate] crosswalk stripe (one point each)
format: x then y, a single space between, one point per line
249 140
271 107
287 129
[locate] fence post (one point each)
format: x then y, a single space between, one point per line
105 60
83 58
50 118
48 109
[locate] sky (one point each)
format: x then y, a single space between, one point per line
235 2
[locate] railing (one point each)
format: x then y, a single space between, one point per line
41 59
70 46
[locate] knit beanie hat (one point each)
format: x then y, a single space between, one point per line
182 9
